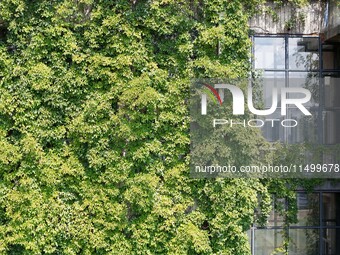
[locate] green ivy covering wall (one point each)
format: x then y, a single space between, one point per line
94 141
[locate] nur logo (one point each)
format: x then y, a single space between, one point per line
216 94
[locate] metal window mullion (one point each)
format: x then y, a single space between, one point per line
252 57
286 77
252 236
320 223
321 96
286 229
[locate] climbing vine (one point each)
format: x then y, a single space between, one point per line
94 128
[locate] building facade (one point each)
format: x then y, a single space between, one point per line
291 44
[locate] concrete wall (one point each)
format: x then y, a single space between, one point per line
307 20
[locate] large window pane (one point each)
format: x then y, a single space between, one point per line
269 53
272 80
308 209
267 241
306 235
331 244
331 209
303 53
328 58
332 92
307 128
303 242
307 80
273 130
331 127
276 219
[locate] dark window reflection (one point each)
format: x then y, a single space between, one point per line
331 208
331 241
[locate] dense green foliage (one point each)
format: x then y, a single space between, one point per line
94 126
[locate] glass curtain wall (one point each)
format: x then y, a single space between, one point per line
299 61
289 61
316 230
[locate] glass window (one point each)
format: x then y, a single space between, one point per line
307 130
332 110
272 79
328 59
303 53
332 92
307 234
275 219
331 244
273 130
267 241
307 80
291 61
296 68
303 242
331 127
269 53
331 209
308 209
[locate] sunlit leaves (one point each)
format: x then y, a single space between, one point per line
94 128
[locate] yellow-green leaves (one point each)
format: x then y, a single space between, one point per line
94 128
